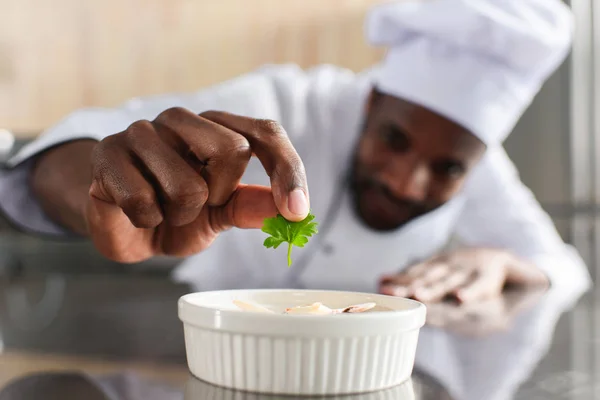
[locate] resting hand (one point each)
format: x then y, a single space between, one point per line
469 275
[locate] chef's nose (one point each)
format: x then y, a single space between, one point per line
409 179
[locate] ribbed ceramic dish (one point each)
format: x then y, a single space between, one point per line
300 354
195 389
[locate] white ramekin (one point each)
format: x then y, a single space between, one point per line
195 389
300 354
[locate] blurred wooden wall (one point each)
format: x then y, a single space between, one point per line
58 55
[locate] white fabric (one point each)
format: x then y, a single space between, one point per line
322 111
477 62
493 367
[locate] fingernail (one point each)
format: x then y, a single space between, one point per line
297 202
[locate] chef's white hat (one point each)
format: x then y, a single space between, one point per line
476 62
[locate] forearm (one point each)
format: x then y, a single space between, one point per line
60 179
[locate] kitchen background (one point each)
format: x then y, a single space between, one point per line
58 55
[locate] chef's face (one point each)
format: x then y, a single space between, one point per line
409 161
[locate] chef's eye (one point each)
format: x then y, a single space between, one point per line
450 169
394 138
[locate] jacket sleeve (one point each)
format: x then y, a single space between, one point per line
284 93
501 212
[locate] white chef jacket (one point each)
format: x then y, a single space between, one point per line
321 110
493 367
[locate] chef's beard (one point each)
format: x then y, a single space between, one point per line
361 182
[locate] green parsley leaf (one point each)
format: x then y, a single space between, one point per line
293 233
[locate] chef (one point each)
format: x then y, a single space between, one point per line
401 160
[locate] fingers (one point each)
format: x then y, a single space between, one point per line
179 189
248 207
392 289
424 274
280 160
167 170
466 286
443 287
407 277
421 275
147 179
119 184
220 154
113 234
482 286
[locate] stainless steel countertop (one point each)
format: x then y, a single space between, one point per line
522 346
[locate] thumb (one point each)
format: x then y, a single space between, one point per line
247 209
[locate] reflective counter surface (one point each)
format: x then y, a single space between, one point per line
117 337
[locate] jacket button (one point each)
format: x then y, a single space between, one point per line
328 249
